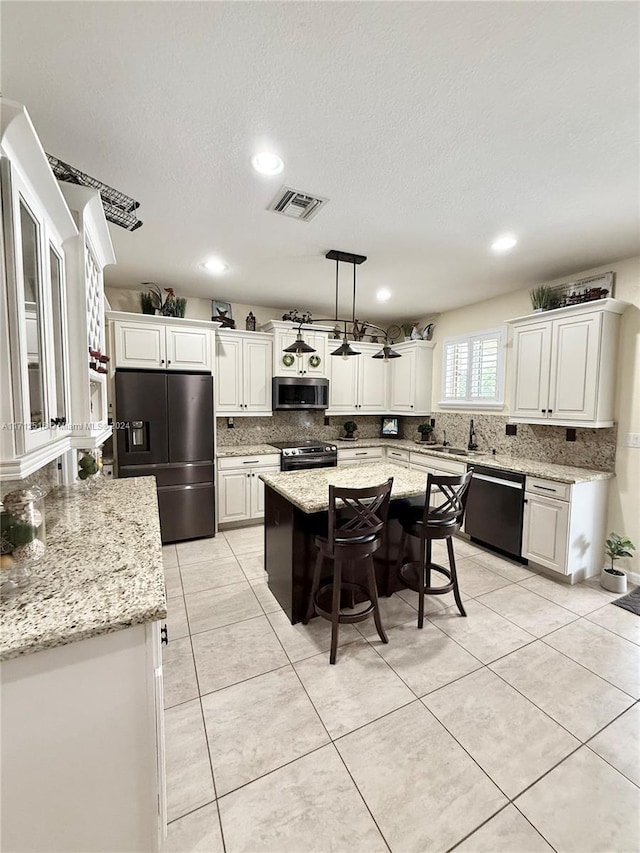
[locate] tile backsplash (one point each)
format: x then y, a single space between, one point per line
593 448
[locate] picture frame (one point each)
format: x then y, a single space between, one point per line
218 306
585 289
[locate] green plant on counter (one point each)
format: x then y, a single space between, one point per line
544 298
350 427
87 467
407 328
617 547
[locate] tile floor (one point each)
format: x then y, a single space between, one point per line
516 729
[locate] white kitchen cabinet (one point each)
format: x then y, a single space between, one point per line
410 379
146 342
358 385
350 455
564 365
240 489
564 526
87 255
243 373
397 456
82 727
34 367
308 364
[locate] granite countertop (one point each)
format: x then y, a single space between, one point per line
102 572
309 489
246 450
532 467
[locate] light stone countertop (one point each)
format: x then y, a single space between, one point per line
532 467
246 450
102 572
309 489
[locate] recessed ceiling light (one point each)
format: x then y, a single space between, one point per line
267 163
383 295
504 243
215 266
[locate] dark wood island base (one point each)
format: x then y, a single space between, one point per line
290 552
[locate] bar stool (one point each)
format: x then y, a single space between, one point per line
354 534
441 517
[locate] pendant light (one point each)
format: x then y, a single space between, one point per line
299 346
345 350
386 353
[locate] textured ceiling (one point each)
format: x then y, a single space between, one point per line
431 127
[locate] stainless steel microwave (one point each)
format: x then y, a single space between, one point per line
296 392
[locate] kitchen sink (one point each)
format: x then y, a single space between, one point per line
458 451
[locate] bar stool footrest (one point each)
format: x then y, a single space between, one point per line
344 618
410 572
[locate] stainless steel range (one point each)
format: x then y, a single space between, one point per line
297 455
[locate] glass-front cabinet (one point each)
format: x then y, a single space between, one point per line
34 369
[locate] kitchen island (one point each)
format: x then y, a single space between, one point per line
82 726
296 505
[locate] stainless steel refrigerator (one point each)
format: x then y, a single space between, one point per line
165 429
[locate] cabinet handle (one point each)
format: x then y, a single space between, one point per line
162 361
412 405
364 453
526 500
544 411
251 462
169 362
550 411
544 488
164 636
248 475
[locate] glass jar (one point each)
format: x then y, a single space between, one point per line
23 537
90 468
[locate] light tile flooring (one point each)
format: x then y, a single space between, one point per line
516 729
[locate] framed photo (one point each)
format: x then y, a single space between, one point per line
220 310
585 289
389 427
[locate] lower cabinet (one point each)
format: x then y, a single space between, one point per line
240 489
350 455
82 742
564 526
397 456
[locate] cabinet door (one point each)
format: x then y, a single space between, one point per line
403 382
140 345
532 348
343 386
234 495
372 384
188 349
227 380
285 339
257 490
575 355
257 357
546 526
319 343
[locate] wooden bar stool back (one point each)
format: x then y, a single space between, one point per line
441 517
357 519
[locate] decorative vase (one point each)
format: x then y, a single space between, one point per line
613 580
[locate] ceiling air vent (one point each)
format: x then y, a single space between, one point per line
296 204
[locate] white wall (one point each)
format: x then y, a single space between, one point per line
624 494
197 309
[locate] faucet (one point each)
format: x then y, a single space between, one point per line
472 437
445 443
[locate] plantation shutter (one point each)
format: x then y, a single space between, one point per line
473 369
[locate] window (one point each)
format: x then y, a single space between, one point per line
473 370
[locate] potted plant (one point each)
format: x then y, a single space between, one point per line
543 298
350 427
616 547
425 431
407 328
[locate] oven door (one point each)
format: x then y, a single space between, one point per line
299 463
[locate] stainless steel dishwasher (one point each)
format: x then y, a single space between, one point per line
495 509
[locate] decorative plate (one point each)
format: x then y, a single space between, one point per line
288 359
315 360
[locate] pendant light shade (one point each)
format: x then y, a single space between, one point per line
299 346
386 353
345 349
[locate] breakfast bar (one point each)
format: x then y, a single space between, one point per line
296 505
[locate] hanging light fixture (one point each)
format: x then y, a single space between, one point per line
345 350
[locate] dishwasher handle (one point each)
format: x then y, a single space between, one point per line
499 481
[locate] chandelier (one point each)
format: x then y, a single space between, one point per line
300 346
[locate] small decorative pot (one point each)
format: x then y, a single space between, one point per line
613 580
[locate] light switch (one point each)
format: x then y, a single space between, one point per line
632 439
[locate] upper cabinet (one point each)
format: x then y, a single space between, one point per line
87 255
308 364
146 342
411 379
359 384
564 365
243 373
34 362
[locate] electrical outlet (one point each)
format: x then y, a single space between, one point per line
632 439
